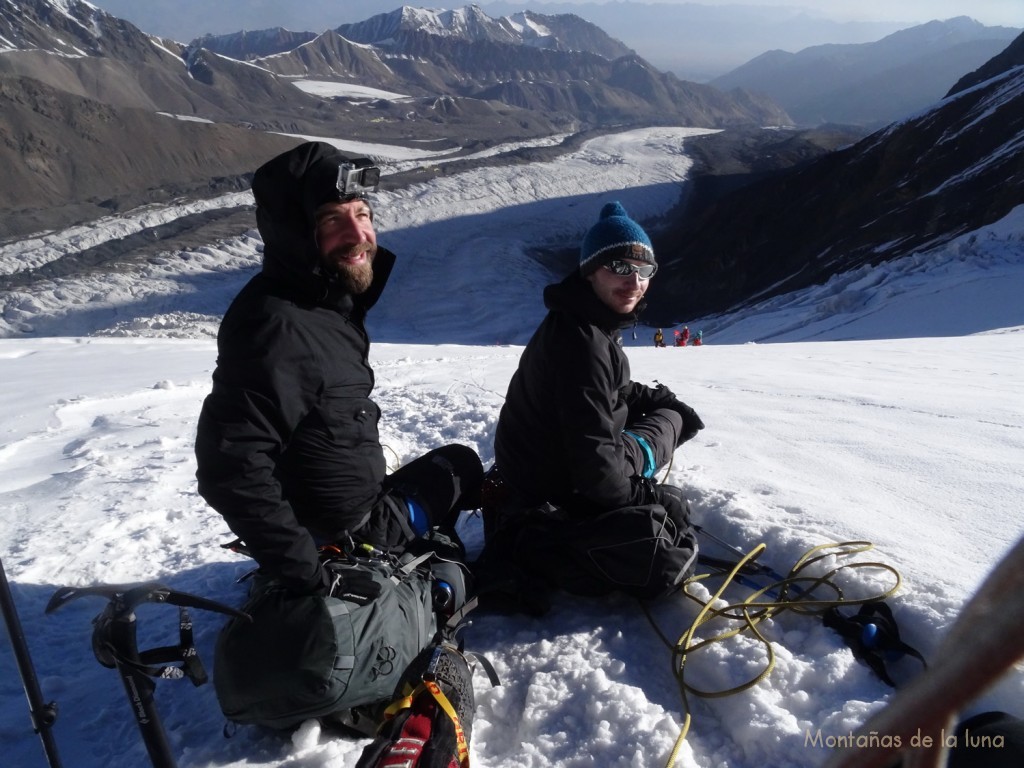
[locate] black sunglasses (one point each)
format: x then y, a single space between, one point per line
625 269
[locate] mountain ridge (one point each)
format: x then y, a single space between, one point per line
448 91
787 208
561 66
566 32
871 84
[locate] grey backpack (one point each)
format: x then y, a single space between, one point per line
306 656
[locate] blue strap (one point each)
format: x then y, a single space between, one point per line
649 466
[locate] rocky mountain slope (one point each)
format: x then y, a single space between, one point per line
915 184
562 67
89 101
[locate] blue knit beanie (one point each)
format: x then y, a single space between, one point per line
615 236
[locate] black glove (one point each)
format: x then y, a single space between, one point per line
345 582
663 397
692 423
645 399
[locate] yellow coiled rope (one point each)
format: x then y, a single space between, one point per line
794 592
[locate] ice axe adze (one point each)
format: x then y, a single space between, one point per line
115 646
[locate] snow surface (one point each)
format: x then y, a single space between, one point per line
888 409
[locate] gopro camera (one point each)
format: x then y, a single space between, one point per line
357 177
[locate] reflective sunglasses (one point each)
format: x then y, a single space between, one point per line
625 269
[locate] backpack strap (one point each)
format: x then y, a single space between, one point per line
406 567
485 665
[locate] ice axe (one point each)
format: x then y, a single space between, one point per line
115 646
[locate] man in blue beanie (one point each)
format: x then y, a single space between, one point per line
571 502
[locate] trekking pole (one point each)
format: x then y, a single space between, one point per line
115 646
749 568
43 715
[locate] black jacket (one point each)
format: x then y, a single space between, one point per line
559 435
287 444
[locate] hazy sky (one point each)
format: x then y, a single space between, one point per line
1009 13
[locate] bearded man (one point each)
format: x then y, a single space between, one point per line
287 446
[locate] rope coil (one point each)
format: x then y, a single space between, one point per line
794 592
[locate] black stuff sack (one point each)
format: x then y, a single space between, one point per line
642 551
307 656
637 550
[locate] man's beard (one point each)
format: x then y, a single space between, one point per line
354 278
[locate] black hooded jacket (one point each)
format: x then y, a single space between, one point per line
559 435
287 443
